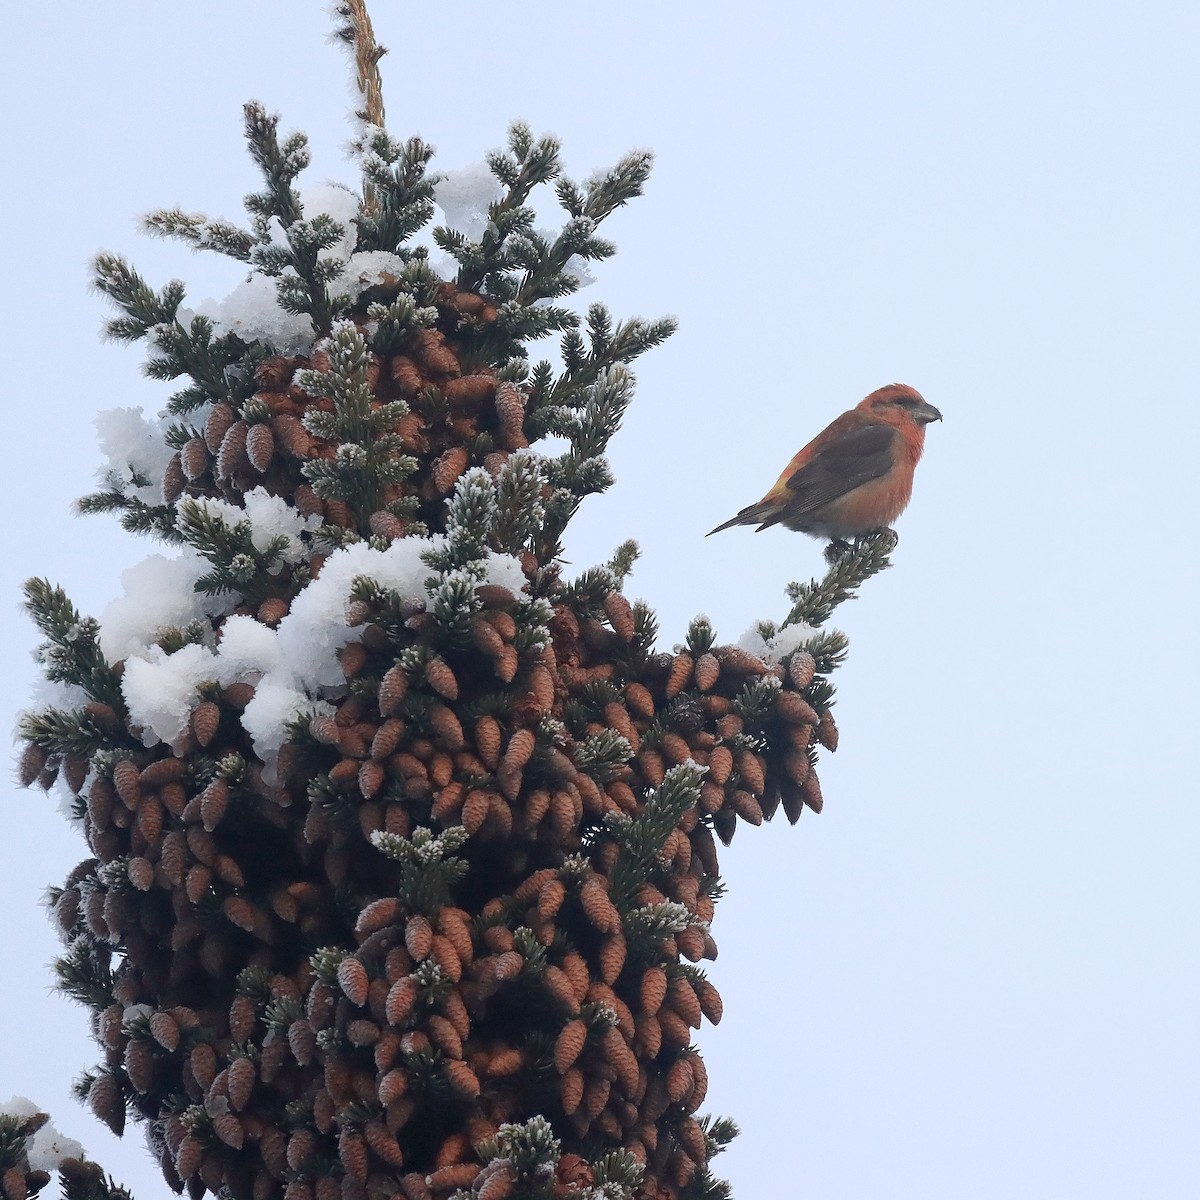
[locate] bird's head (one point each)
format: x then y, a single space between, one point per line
898 403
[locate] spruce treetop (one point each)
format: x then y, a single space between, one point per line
402 845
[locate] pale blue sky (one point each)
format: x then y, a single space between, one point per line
975 975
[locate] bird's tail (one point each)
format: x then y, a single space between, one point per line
762 514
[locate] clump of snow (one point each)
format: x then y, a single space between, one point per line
578 266
368 269
339 202
248 647
133 445
505 570
134 1013
779 645
753 642
272 516
274 704
269 517
47 1147
252 311
789 639
160 689
464 197
216 509
315 628
159 594
294 668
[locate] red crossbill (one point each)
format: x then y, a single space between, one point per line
856 475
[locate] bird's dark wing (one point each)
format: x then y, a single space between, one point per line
849 453
842 464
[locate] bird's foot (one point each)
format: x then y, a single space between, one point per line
838 548
889 539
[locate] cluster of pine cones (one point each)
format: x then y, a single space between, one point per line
451 415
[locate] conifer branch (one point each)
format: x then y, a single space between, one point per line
71 652
71 733
201 233
85 973
849 567
395 174
144 308
280 164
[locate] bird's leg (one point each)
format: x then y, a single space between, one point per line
836 548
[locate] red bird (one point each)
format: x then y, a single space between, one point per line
856 475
